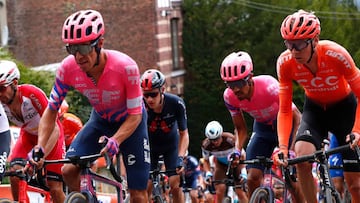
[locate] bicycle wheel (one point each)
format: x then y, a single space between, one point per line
262 195
158 199
331 197
2 200
227 200
75 197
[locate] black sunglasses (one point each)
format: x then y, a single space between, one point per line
238 83
151 94
83 49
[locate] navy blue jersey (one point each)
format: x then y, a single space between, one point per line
163 127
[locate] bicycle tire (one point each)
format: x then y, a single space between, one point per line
262 195
331 197
227 200
158 199
4 200
75 197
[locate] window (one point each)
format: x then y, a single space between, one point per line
175 43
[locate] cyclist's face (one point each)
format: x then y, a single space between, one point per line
152 98
85 54
6 93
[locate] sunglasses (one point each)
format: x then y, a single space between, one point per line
237 83
3 87
83 49
298 45
151 94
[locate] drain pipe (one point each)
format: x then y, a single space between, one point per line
4 32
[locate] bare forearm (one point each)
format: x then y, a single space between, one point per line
48 131
127 128
183 142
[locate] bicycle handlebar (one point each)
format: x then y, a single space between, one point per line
314 157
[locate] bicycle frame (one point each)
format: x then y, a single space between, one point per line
26 191
87 176
321 157
266 189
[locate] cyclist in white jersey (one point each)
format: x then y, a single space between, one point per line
5 137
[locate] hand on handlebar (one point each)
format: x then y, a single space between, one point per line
36 157
354 138
234 158
180 168
111 146
280 157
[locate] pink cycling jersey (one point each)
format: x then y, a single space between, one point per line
108 97
33 103
264 103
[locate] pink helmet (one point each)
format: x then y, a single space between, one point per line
300 25
236 66
83 26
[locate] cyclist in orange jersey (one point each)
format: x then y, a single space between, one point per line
331 82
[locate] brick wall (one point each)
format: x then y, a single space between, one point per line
35 28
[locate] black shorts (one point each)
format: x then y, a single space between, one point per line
338 118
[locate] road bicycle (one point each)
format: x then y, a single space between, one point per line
320 157
158 185
230 182
88 178
265 193
32 188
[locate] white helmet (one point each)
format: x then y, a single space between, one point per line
213 130
8 72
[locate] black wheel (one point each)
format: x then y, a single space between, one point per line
227 200
262 195
158 199
75 197
2 200
331 197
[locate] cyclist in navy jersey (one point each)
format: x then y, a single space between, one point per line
167 128
193 178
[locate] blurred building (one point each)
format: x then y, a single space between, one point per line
148 30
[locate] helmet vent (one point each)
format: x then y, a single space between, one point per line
78 33
235 72
72 32
88 30
243 69
229 71
81 21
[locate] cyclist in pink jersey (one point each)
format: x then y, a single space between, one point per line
259 97
110 81
331 82
24 105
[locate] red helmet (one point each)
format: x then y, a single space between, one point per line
83 26
236 66
152 79
300 25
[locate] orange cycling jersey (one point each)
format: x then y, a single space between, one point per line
334 79
71 124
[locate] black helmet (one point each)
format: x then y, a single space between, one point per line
152 79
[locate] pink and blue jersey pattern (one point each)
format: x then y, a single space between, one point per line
264 103
116 94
